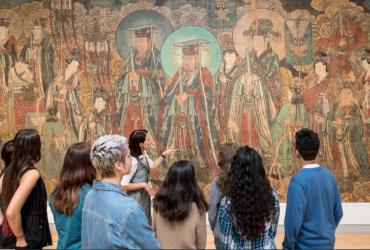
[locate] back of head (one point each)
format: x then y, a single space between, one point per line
136 137
307 143
174 199
27 152
225 157
7 151
250 194
77 170
106 151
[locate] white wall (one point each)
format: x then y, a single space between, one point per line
356 218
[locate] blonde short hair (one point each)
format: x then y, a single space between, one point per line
106 151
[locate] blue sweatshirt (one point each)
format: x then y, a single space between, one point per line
313 210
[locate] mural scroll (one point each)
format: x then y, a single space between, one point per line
195 74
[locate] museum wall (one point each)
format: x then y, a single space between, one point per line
195 75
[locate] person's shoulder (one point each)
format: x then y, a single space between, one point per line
30 174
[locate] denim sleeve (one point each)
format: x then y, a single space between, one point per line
139 231
338 211
275 219
214 203
295 210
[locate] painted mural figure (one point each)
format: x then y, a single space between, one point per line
54 144
8 52
342 42
63 93
365 63
264 61
291 118
185 112
316 98
227 75
252 112
38 53
99 122
347 153
138 91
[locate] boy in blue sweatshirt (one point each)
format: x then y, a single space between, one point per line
314 207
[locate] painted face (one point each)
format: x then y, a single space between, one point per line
4 32
350 27
189 62
141 44
100 104
230 58
73 67
258 44
320 69
37 32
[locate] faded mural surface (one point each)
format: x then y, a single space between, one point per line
195 74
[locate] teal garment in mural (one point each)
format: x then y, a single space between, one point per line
345 126
54 145
290 119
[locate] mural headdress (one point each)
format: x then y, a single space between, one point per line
4 22
99 92
321 56
191 47
40 22
145 30
74 56
227 43
366 54
262 27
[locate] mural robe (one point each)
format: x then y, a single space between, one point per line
267 67
54 145
225 83
137 100
347 153
8 57
252 113
184 125
290 119
41 60
63 93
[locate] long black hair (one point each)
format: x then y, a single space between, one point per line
136 137
250 193
174 199
6 152
27 152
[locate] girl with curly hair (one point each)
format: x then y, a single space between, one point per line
179 218
249 212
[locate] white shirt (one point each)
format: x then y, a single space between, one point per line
311 165
145 159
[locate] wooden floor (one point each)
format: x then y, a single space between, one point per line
344 241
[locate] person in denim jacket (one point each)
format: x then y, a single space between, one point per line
110 218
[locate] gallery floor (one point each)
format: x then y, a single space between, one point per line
344 241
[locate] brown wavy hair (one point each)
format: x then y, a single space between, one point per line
225 157
77 170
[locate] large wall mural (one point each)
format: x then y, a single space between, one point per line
195 74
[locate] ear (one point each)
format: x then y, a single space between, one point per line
118 167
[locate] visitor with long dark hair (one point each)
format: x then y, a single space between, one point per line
6 155
225 157
136 183
66 202
24 194
179 218
249 212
